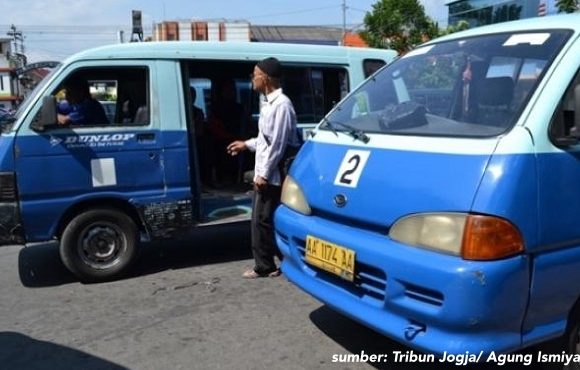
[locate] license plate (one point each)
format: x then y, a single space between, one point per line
330 257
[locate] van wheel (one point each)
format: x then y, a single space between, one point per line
572 339
99 244
568 343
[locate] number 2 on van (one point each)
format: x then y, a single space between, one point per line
351 168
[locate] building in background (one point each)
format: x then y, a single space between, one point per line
201 31
482 12
297 34
243 31
8 92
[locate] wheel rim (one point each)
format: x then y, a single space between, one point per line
101 244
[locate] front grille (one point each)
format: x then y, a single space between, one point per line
423 295
368 282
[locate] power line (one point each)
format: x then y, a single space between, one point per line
358 10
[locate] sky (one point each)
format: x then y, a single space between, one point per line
56 29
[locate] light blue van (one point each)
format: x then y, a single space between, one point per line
101 187
439 202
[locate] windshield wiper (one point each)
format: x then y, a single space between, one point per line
357 134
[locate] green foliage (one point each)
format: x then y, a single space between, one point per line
398 25
440 73
459 26
568 6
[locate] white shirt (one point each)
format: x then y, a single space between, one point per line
277 128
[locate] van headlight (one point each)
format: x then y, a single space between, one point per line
293 197
473 237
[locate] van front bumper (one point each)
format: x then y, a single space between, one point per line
426 300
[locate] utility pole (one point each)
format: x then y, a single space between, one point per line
343 22
18 46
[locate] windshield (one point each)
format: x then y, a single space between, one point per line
473 87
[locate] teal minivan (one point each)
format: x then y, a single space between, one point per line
101 187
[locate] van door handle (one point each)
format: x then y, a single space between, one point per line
146 137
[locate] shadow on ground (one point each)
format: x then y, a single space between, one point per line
355 338
19 351
39 265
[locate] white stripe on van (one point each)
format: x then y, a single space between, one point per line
518 141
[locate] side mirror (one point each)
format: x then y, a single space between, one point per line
47 115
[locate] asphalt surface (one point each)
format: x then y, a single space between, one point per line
184 306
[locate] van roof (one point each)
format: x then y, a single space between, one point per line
560 21
251 51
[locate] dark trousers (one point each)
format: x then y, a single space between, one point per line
264 245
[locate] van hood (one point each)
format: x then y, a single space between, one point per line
402 176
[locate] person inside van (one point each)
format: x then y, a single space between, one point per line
277 132
202 141
82 109
224 126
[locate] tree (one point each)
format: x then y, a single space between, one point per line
568 6
398 24
459 26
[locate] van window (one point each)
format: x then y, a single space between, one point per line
473 87
122 92
562 124
370 66
314 90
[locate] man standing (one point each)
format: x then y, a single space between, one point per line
277 131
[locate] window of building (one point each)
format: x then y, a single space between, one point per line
478 13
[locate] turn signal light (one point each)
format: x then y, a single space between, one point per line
490 238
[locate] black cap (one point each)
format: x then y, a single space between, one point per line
271 67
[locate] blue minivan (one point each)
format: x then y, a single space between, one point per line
101 187
439 202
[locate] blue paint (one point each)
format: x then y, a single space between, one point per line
427 299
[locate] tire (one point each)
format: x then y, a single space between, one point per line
572 339
99 244
568 343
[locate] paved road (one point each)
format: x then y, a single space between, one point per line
184 307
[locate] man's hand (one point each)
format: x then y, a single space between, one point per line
260 183
62 119
236 147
